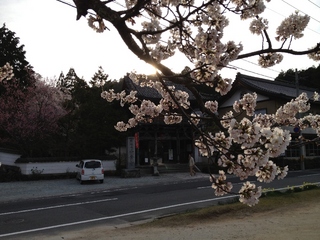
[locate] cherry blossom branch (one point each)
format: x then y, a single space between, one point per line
243 146
280 50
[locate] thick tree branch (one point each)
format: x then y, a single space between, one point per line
124 31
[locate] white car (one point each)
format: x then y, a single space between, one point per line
90 170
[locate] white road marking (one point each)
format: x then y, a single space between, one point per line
120 189
234 184
112 217
310 175
58 206
128 214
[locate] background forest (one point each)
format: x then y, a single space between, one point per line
60 117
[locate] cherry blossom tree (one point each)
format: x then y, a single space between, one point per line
195 28
28 115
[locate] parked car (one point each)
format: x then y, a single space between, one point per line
90 170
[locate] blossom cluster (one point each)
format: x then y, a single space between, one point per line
220 185
122 96
258 139
96 23
206 49
267 173
314 56
250 194
212 106
143 113
152 26
194 119
249 8
286 115
258 25
312 121
172 118
247 103
205 145
161 52
147 110
269 59
292 26
6 72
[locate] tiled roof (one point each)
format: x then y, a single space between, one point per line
150 93
146 92
286 90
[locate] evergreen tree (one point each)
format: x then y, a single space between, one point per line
88 129
70 81
12 52
308 77
99 78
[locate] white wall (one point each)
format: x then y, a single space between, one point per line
48 167
59 167
8 158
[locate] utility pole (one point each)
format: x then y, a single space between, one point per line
301 146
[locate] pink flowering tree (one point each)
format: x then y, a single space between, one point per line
195 29
28 115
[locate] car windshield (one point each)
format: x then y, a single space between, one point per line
92 164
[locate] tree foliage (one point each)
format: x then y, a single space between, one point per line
195 28
88 127
13 53
308 77
61 118
99 78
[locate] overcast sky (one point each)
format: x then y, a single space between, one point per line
54 41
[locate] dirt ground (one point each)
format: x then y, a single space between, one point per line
294 222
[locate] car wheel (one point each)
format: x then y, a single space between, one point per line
101 181
81 182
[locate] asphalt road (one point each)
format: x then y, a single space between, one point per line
25 218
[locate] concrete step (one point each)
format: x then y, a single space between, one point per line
164 168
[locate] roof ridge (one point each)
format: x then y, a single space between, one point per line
243 77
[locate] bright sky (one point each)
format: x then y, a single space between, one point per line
54 41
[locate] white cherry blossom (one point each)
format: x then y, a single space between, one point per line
212 106
6 72
249 194
292 26
258 25
220 185
269 59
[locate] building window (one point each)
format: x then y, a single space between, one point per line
293 150
311 149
